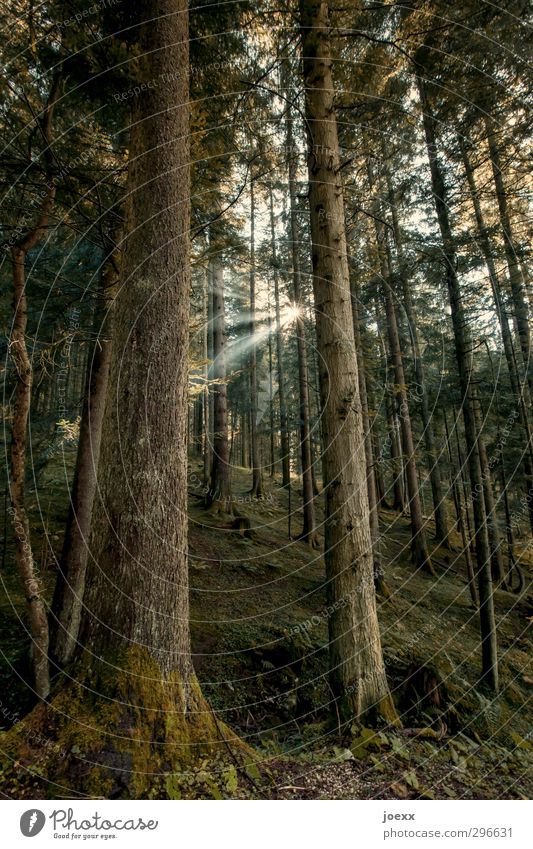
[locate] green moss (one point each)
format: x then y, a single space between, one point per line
121 732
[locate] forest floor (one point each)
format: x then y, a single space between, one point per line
259 635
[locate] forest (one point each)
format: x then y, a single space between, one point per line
267 400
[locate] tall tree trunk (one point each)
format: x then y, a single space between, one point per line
437 491
219 493
68 594
284 432
392 444
272 437
257 476
520 390
460 510
496 559
244 439
463 351
379 575
308 533
419 549
30 578
33 587
135 622
206 448
357 673
396 456
518 290
210 399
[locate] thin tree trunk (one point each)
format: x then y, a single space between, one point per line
437 492
308 533
459 507
462 465
419 549
498 569
244 440
518 290
377 452
284 433
463 351
519 389
209 398
379 574
70 584
257 477
357 672
219 493
396 456
272 463
31 581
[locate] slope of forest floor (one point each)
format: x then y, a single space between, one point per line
259 634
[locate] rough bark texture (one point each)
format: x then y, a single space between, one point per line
137 584
357 674
463 349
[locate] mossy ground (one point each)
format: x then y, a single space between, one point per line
259 637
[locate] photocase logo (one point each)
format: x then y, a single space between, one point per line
32 822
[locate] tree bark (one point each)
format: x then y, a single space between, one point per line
357 673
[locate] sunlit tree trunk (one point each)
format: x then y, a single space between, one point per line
357 673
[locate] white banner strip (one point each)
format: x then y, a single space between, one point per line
270 825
